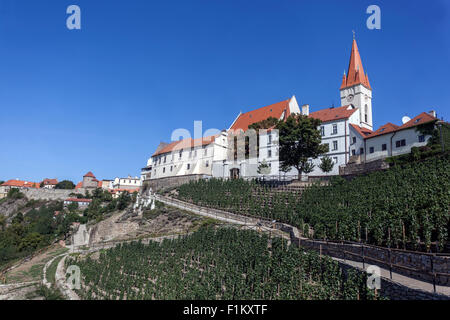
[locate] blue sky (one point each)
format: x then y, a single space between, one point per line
102 98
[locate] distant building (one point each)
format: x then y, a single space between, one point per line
49 183
128 183
187 157
18 184
81 202
89 182
106 184
117 192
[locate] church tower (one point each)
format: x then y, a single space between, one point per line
356 90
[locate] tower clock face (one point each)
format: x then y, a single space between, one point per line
350 98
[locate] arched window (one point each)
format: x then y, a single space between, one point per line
366 111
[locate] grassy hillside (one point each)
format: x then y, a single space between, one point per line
400 207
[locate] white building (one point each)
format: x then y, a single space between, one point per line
347 130
128 183
390 139
188 157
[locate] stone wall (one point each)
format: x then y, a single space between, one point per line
50 194
168 182
365 167
416 265
396 291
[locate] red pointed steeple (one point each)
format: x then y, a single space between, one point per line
355 74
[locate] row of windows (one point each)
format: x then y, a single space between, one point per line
180 155
335 146
333 132
188 167
398 144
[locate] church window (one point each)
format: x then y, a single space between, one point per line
164 170
188 166
354 139
366 113
270 139
269 153
207 163
353 152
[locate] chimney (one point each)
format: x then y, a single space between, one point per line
433 113
305 109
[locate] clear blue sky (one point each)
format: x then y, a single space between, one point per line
102 98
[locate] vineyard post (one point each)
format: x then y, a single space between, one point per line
363 257
434 273
390 263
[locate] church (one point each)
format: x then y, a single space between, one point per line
348 131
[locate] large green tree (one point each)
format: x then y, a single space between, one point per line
299 141
326 164
65 184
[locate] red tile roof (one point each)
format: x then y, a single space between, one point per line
384 129
184 144
89 174
364 132
390 127
21 184
79 185
121 190
355 74
50 181
418 120
332 114
274 110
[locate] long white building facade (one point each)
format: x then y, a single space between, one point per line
348 131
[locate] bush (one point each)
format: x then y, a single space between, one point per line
15 193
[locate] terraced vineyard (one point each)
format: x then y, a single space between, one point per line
402 207
222 263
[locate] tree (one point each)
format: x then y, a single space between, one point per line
2 222
326 164
263 168
15 193
66 185
300 140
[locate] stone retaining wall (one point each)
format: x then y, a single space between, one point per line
365 167
50 194
162 183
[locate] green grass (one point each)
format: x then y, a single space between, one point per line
51 270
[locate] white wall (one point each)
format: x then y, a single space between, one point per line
411 137
200 160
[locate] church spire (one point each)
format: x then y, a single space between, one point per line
355 74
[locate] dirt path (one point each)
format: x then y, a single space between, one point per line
32 269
